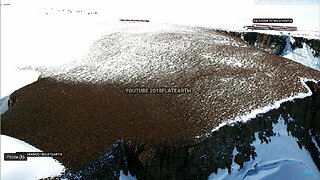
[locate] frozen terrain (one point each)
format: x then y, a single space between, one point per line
302 55
281 158
42 27
53 40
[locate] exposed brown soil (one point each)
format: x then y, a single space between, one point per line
84 119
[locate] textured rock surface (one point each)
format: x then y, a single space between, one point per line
197 160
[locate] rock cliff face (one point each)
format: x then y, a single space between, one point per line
276 43
199 159
312 43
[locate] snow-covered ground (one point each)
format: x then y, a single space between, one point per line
31 38
302 55
50 33
33 168
281 158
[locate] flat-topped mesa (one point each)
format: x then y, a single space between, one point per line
83 107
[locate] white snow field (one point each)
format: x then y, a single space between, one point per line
302 55
279 159
11 80
32 169
50 33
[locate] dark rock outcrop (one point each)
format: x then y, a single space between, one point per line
275 43
12 100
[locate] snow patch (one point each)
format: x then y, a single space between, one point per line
231 62
289 169
16 79
126 177
4 104
302 55
13 79
281 158
33 168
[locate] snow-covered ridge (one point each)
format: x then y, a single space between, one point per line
281 158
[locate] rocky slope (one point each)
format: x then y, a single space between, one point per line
83 109
199 159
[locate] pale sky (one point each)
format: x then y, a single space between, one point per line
305 13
